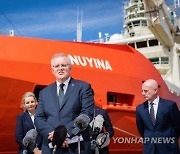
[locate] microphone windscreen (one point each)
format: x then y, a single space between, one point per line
75 132
98 122
30 138
59 136
82 122
105 140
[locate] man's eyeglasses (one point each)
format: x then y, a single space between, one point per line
60 65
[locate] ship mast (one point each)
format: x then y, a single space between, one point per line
176 3
79 25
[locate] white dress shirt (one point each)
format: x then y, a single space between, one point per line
32 118
65 85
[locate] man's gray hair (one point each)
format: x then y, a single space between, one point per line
60 55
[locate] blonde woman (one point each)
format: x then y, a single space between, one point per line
25 122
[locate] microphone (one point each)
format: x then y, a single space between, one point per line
29 139
103 140
59 136
80 123
98 123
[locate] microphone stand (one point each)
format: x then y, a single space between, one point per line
79 144
25 151
96 150
54 149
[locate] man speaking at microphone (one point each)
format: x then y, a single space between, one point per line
60 103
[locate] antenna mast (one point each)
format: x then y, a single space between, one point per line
176 3
79 25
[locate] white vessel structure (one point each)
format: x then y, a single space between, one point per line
153 29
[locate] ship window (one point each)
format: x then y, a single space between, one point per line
131 44
132 16
144 23
37 89
154 60
111 98
130 25
114 98
141 6
142 15
164 60
142 44
136 23
131 34
153 42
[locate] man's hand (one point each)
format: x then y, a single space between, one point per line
37 151
50 136
65 144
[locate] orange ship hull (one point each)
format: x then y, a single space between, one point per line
116 73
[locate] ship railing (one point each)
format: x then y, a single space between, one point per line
162 62
100 40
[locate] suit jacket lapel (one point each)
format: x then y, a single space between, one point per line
159 110
28 118
55 95
147 114
68 92
146 110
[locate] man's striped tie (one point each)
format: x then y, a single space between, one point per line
61 94
152 114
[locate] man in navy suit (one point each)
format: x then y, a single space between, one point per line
52 111
158 121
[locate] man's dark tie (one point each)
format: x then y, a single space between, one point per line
61 94
152 113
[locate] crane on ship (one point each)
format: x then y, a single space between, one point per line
165 25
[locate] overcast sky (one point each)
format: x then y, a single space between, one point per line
57 19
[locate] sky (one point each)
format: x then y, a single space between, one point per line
57 19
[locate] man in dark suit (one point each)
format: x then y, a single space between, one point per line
158 121
54 109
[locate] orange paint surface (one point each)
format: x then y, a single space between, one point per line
116 73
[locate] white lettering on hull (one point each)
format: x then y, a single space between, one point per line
92 62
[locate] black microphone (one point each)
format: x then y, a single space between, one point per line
60 134
29 139
80 123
